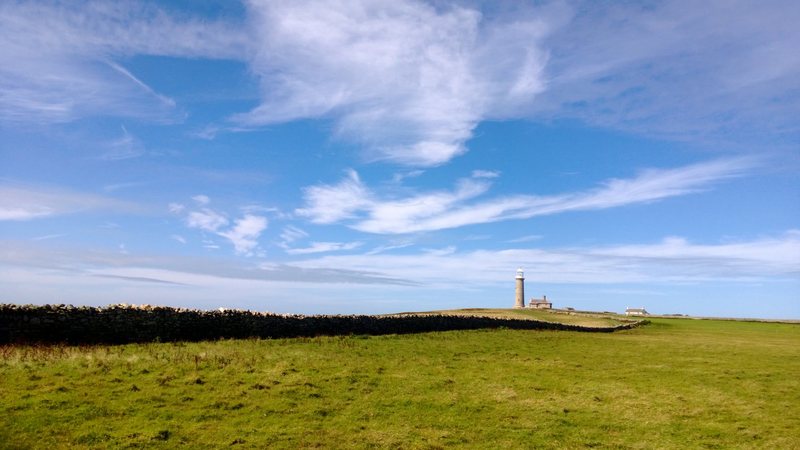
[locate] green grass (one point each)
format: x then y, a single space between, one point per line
676 383
546 315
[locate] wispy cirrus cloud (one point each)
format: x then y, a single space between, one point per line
485 174
526 238
291 233
48 237
324 247
671 260
778 255
60 62
28 202
407 79
767 264
126 146
353 202
208 272
672 69
410 80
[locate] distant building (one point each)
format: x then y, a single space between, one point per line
636 312
540 303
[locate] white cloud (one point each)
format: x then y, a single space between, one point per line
485 174
411 214
245 233
166 101
407 79
399 177
125 147
673 260
332 203
126 185
528 238
26 254
323 247
206 219
57 59
48 237
670 261
726 71
31 271
19 202
176 208
351 201
24 212
209 244
648 186
449 250
201 200
411 80
386 248
773 254
291 233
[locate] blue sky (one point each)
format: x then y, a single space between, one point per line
385 156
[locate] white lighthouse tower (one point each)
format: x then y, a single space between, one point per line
520 290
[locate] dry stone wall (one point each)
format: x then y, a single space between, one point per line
73 325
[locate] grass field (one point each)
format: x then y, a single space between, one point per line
675 383
571 318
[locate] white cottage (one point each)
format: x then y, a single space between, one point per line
636 312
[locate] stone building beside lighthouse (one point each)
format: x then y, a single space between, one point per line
540 303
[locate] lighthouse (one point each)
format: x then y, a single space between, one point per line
520 290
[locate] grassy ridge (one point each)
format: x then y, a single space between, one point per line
544 315
675 383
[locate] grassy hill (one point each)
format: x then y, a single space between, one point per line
675 383
584 319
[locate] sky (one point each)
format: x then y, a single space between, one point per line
372 156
